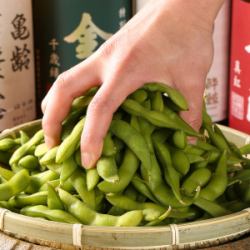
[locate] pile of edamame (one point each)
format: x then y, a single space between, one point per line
148 174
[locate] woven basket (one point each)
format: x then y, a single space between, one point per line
182 236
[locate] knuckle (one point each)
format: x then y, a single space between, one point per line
62 80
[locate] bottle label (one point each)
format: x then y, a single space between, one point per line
17 87
67 32
239 113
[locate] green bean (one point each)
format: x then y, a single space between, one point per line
211 207
193 158
133 139
161 218
139 95
179 139
109 148
49 157
141 187
134 122
7 144
245 150
199 178
68 146
50 214
172 93
159 119
22 200
15 185
205 146
92 178
23 137
172 177
81 102
180 161
37 180
161 135
218 183
157 101
53 201
217 139
107 169
21 151
89 217
41 150
112 211
126 172
78 180
68 168
55 183
151 211
193 149
29 162
6 173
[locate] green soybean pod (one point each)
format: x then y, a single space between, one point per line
245 150
140 95
29 162
199 178
15 185
180 161
68 168
179 139
107 169
6 173
218 183
22 200
172 93
109 148
22 150
49 157
50 214
7 144
23 137
53 200
92 178
172 177
126 172
211 207
133 139
78 180
37 180
69 145
89 217
142 188
157 101
41 150
205 146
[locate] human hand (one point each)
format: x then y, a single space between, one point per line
168 42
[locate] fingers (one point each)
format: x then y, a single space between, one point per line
194 96
57 103
98 119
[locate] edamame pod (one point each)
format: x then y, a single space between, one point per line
15 185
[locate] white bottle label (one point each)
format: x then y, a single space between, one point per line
17 84
217 81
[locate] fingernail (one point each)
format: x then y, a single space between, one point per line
50 142
88 160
